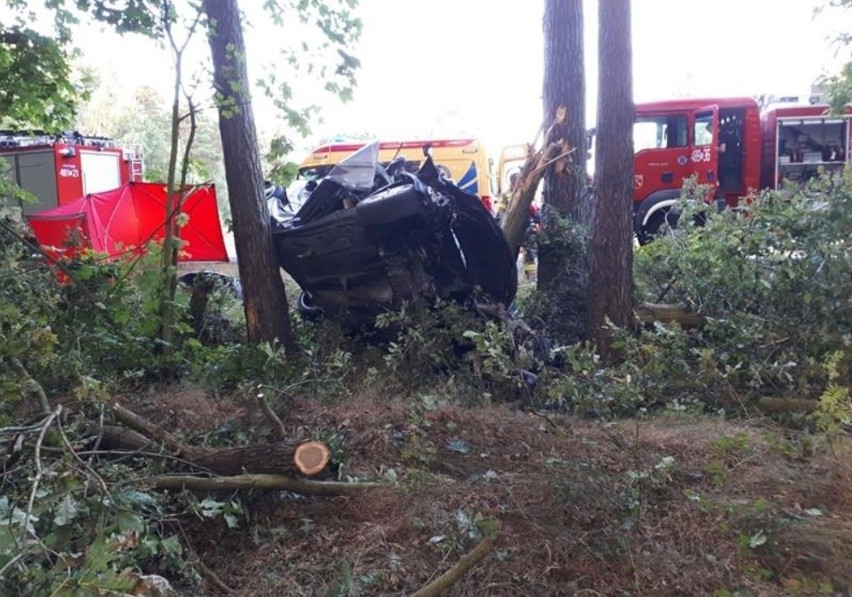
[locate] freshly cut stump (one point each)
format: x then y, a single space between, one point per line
311 457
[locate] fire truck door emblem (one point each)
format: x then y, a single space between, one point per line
638 181
682 160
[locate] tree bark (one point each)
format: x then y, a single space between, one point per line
611 247
564 91
267 317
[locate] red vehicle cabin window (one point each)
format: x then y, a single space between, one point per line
658 132
704 129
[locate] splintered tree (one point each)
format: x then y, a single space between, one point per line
267 318
611 250
559 157
564 94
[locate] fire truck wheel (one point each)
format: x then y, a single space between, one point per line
306 308
661 222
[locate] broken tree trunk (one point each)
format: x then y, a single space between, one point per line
517 214
305 458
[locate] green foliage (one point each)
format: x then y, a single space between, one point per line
838 87
87 328
562 308
770 280
426 343
834 410
654 374
69 529
37 90
325 58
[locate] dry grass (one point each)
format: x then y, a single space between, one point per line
656 507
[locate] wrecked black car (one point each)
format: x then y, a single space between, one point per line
369 238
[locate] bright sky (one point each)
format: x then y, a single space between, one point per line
474 67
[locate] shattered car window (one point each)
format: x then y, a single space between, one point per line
358 170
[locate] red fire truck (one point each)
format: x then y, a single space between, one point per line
59 168
730 144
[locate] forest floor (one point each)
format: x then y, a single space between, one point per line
674 505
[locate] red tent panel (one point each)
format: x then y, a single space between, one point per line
124 220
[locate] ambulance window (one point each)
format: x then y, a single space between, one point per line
314 172
657 132
409 166
445 171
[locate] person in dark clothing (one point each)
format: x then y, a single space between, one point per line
730 156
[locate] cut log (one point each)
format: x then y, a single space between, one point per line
311 458
288 458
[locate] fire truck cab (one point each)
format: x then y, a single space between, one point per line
732 146
57 169
717 141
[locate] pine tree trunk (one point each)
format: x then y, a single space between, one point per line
267 317
611 250
564 88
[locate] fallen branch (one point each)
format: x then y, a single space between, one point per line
273 418
10 563
25 527
30 385
114 437
278 458
213 577
451 576
664 313
772 405
303 486
154 432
